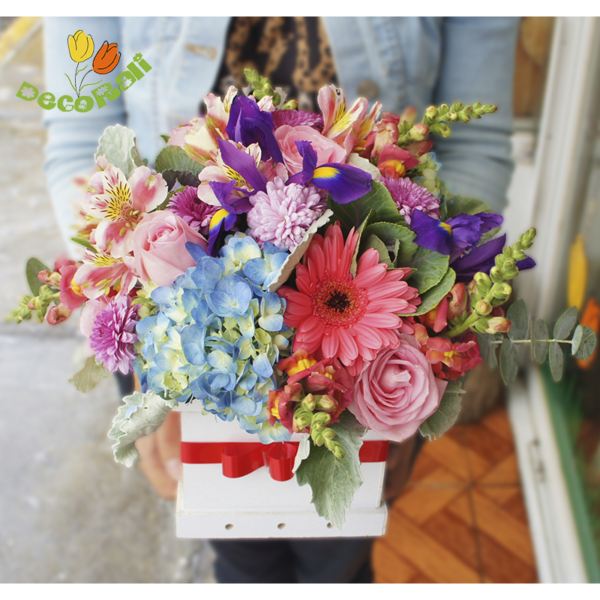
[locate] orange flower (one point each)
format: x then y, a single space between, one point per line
591 319
106 59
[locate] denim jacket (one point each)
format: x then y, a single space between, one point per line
399 61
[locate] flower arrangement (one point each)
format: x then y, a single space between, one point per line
299 273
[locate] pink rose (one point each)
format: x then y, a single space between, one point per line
397 391
327 150
159 248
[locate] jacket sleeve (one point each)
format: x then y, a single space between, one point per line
477 64
72 137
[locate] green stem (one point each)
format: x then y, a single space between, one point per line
473 318
496 342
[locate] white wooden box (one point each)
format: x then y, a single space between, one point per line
210 505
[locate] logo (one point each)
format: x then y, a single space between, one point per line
81 49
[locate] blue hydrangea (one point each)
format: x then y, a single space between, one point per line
218 333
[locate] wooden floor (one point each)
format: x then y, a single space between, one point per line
461 518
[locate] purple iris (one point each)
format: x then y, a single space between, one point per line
345 183
250 125
455 236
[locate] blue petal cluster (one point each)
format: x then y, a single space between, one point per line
218 333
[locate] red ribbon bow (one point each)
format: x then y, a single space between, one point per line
240 459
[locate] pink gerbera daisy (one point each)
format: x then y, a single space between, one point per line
345 317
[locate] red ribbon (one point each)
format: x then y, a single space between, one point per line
240 459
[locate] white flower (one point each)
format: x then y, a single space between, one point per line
28 92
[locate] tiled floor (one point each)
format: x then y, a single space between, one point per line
461 518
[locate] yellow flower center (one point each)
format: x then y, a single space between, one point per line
302 365
119 204
446 227
77 289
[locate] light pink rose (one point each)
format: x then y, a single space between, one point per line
327 150
159 248
397 391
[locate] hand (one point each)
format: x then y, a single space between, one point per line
398 467
160 456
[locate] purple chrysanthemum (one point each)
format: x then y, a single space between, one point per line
284 213
192 210
297 117
409 196
113 335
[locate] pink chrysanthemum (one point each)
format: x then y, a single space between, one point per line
284 213
192 210
113 335
297 117
345 317
409 196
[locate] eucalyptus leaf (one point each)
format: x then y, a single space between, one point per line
487 349
576 341
174 158
587 344
392 234
431 298
557 360
34 266
138 416
88 378
384 256
519 320
117 143
446 414
429 269
539 350
354 213
509 361
457 205
564 325
333 481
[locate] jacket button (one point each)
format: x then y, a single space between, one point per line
368 89
206 51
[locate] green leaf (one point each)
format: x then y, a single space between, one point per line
34 266
430 267
576 341
564 325
587 345
165 137
468 206
487 349
138 416
360 230
354 213
519 320
84 243
391 234
183 177
539 350
88 378
333 481
490 235
431 298
557 360
509 361
384 256
446 414
174 158
117 144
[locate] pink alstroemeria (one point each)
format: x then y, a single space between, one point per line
348 127
101 273
120 204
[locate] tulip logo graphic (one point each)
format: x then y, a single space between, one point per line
81 48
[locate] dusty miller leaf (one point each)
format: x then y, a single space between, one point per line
446 414
174 158
519 320
34 266
509 361
333 481
565 324
587 345
117 143
557 360
88 378
139 415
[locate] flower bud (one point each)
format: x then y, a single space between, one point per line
58 314
502 292
337 450
321 418
527 238
483 282
511 273
328 434
498 325
309 402
443 109
451 116
318 439
418 132
290 105
483 308
302 419
496 275
444 130
326 403
457 106
458 302
481 325
499 260
509 263
431 112
410 114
